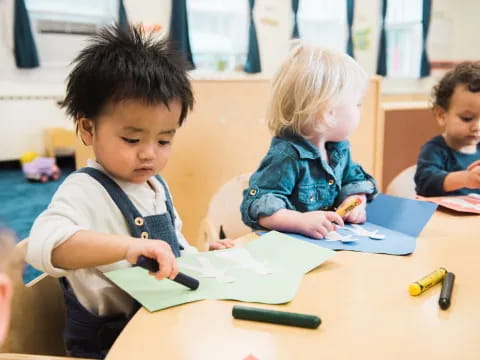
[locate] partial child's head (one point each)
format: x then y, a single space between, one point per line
128 93
316 90
6 253
456 106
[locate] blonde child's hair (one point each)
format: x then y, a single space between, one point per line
310 80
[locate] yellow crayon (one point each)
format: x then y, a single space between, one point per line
427 281
349 206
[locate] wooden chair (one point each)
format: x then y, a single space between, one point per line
403 185
59 141
38 314
224 212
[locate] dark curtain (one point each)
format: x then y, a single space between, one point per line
425 64
252 65
122 15
295 31
26 55
382 48
350 16
179 34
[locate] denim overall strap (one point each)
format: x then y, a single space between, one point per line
169 201
121 199
88 335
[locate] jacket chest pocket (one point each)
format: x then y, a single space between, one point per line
314 197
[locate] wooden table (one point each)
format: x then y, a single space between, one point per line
361 298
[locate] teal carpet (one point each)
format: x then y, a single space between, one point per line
22 201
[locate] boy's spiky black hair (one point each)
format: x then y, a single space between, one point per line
124 64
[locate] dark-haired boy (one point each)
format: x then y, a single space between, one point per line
128 94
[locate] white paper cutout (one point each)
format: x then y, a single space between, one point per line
335 236
208 270
243 258
361 231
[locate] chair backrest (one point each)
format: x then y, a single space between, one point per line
38 314
59 141
224 212
403 185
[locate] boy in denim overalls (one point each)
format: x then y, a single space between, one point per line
128 94
308 170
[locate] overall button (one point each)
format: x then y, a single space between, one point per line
331 182
253 192
311 198
139 221
144 235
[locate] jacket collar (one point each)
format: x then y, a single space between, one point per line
306 150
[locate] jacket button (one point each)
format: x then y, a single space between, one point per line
331 182
253 192
325 208
139 221
311 198
144 235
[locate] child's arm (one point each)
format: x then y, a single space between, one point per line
315 224
92 249
431 173
469 178
433 179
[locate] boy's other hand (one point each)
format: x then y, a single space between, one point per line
155 249
473 177
221 244
473 164
317 224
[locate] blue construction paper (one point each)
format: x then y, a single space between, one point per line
400 220
403 215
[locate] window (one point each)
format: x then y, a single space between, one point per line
323 22
60 27
403 25
218 33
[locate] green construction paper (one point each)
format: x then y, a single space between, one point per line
287 257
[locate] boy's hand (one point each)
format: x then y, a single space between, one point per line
358 215
473 164
317 224
473 176
155 249
221 244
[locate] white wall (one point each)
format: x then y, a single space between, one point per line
453 36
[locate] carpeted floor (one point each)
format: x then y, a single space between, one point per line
22 201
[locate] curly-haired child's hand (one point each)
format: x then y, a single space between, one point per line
358 215
473 177
221 244
473 164
317 224
155 249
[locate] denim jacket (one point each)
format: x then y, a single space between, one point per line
292 175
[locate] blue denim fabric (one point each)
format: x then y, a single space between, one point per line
293 176
436 160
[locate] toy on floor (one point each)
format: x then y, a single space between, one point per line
37 168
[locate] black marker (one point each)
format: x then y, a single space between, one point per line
181 278
276 317
446 293
221 234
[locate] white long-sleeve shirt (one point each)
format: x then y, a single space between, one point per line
82 203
